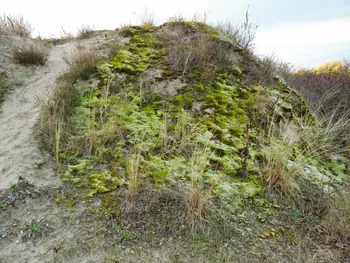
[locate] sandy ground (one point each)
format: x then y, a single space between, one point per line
33 228
19 153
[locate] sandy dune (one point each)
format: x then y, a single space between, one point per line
19 154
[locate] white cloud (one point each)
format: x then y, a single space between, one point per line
307 44
48 16
304 43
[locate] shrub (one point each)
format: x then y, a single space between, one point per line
85 31
333 66
10 24
82 61
34 53
325 89
243 34
265 69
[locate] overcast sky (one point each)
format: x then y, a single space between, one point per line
304 32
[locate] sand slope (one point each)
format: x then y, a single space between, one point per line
19 154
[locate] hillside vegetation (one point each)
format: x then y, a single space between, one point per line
184 146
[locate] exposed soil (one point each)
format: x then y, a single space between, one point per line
19 153
33 228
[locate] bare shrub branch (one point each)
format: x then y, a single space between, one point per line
326 89
244 34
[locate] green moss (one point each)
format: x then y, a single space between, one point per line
123 62
338 167
236 71
143 51
167 74
103 182
110 205
158 170
73 171
143 126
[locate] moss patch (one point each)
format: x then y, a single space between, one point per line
142 52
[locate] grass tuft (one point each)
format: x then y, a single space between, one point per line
147 18
82 61
197 196
30 53
55 115
279 172
133 176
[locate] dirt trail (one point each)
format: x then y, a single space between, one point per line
19 153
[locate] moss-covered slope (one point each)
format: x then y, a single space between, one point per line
181 109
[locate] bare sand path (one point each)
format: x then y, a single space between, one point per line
19 153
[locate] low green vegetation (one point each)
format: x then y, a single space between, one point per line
224 158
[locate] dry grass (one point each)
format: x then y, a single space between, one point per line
197 201
85 31
177 18
196 54
54 117
147 18
278 172
34 53
181 140
82 61
197 196
133 175
327 136
64 38
263 70
337 219
328 95
10 24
